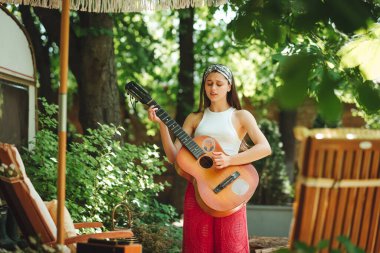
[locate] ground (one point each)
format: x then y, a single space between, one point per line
267 244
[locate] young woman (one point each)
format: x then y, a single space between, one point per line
219 116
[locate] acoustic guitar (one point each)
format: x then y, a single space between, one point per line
219 192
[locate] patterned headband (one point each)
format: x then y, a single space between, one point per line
226 72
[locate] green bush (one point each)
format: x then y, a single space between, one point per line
159 238
274 186
100 173
347 245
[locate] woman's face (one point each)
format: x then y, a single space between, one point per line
216 87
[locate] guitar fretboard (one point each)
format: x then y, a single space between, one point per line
177 130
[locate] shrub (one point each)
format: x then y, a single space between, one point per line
101 172
274 186
347 246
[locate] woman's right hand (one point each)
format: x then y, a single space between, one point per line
152 114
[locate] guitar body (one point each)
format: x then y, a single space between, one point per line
236 183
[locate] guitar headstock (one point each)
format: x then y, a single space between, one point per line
138 92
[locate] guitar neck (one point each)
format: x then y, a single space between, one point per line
177 130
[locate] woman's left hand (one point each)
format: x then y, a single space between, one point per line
221 160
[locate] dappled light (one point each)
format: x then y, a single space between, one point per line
364 51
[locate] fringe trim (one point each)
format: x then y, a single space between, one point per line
119 5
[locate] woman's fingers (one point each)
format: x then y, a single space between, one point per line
221 160
152 114
218 159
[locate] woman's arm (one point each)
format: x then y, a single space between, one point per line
171 148
259 150
261 146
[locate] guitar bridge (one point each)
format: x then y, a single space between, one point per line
227 181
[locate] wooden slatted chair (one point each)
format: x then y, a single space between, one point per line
30 212
338 188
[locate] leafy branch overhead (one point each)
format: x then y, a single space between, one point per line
318 48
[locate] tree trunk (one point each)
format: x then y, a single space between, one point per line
41 53
98 91
287 121
185 95
51 20
92 61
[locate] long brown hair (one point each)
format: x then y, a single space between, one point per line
232 96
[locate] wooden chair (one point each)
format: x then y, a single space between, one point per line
338 188
28 208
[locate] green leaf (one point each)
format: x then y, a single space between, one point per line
302 247
294 71
329 105
369 97
292 94
349 246
323 244
274 34
330 108
242 28
283 251
307 14
349 17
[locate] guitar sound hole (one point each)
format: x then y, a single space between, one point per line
206 162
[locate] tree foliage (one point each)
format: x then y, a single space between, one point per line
307 36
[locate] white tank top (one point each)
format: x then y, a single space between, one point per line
218 125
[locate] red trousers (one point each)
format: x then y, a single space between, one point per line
203 233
